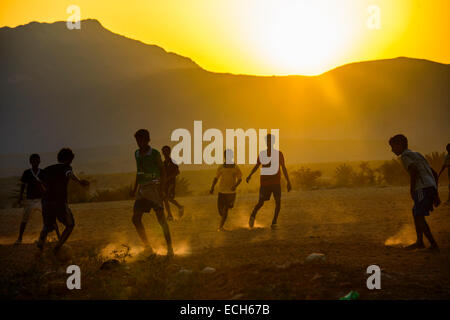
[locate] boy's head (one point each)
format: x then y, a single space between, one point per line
448 147
166 152
228 156
35 160
399 143
65 155
142 138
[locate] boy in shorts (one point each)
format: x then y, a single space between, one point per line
55 179
31 181
270 183
172 171
230 177
149 185
423 189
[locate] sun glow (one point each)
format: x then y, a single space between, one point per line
305 37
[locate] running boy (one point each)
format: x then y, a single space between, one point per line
31 180
270 183
446 165
55 179
150 179
423 189
171 174
230 177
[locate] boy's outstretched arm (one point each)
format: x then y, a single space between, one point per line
22 189
211 191
163 176
444 166
253 171
82 182
283 167
412 170
133 191
238 182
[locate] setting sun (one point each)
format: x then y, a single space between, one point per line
302 37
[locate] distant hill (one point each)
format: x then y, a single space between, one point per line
92 88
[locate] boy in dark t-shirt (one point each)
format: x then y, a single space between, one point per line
30 179
172 171
55 179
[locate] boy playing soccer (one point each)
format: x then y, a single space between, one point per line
446 165
31 180
150 183
55 179
270 183
230 177
171 174
423 189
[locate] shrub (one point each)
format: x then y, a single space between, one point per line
366 176
344 175
392 172
306 178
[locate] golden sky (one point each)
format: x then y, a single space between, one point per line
264 37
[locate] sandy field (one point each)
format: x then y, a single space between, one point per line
354 228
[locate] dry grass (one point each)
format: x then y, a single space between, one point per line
351 226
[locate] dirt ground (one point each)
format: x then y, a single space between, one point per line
354 228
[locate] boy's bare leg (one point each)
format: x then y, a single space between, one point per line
163 222
169 212
277 210
64 236
419 232
42 238
21 231
179 206
175 202
137 221
427 232
224 215
57 231
254 212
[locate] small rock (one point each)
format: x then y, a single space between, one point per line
316 277
185 271
110 264
237 296
208 270
315 257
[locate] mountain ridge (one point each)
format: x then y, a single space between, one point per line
54 95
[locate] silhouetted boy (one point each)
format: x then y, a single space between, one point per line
230 177
55 179
172 171
446 165
423 189
31 180
150 179
270 183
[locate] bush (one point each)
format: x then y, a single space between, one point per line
392 172
366 176
344 175
306 178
